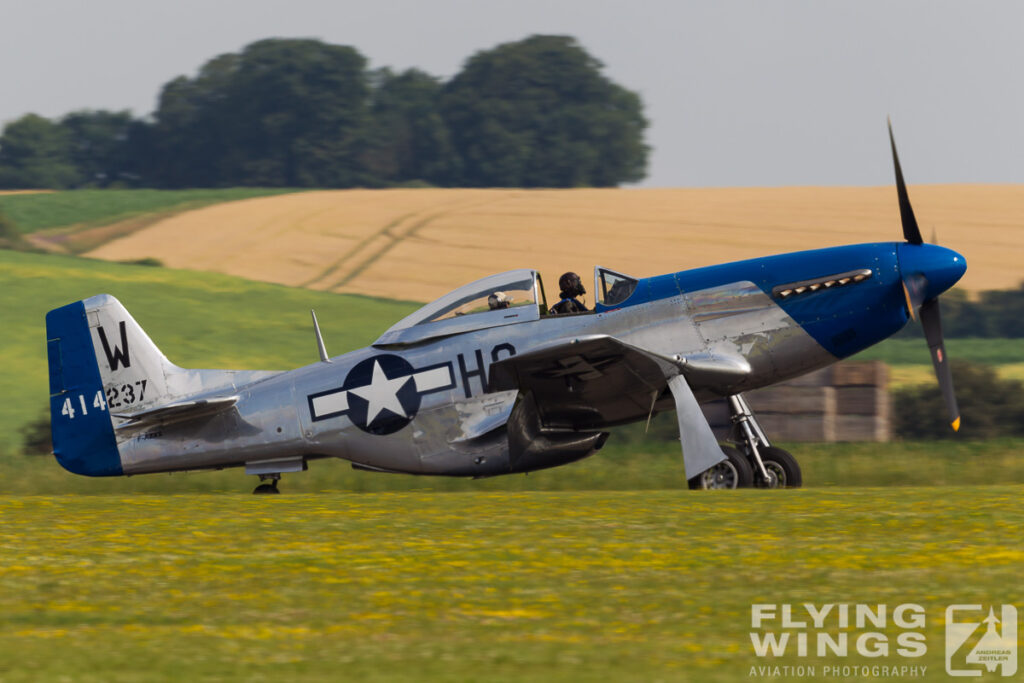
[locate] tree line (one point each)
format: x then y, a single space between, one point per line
303 113
994 314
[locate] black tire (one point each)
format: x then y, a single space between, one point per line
732 473
783 465
266 488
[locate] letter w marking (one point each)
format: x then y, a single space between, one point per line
120 354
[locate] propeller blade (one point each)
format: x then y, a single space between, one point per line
911 232
910 302
932 323
914 287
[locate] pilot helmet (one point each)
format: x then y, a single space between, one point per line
499 300
571 285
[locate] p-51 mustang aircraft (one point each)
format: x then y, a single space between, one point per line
460 388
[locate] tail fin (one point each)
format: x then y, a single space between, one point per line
100 361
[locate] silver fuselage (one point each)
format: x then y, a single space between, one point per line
448 433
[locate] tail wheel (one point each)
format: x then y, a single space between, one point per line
784 466
732 473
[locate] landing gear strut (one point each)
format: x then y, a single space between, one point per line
772 467
268 488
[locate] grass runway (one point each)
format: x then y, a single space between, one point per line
463 586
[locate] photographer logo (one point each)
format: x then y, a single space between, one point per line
980 642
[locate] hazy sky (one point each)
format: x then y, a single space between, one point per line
738 93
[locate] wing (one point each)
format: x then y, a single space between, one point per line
590 382
597 380
586 382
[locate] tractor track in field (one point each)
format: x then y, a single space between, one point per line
353 252
371 248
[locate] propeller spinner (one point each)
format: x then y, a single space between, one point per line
927 271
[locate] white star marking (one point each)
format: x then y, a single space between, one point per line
381 394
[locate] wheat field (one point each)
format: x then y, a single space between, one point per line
417 244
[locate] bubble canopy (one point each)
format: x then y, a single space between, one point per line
467 308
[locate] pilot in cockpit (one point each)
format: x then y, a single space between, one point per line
498 300
571 287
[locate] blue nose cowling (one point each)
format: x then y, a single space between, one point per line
941 267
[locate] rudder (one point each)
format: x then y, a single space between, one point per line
82 431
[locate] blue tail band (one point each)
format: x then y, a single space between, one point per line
83 435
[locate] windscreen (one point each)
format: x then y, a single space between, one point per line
615 287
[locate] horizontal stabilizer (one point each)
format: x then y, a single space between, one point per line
176 412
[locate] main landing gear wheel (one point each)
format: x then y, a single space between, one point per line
268 488
732 473
782 467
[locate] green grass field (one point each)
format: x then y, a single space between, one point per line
484 586
910 363
625 464
915 351
31 212
197 320
910 375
